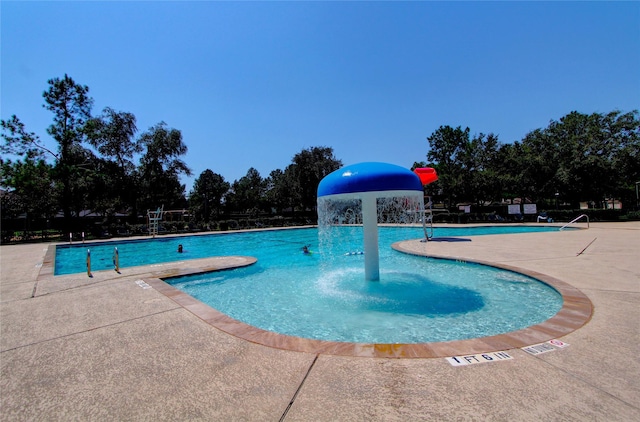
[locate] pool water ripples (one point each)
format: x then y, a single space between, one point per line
417 300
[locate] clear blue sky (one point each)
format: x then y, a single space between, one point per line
252 84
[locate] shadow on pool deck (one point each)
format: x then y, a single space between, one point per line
113 347
449 239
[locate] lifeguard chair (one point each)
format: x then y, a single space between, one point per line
154 218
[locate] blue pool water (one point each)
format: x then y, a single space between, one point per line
72 258
324 295
423 300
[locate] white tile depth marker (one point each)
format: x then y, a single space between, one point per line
547 346
479 358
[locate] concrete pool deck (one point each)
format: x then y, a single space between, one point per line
112 347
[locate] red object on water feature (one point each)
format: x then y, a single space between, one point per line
426 174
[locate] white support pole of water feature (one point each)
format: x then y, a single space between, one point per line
370 226
368 182
370 215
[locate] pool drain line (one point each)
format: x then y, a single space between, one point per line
298 390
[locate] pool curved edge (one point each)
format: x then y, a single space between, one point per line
576 311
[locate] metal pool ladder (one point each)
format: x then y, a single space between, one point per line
575 220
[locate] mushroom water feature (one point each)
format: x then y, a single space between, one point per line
367 183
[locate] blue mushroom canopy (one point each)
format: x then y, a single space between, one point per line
369 177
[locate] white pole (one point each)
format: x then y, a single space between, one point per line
370 226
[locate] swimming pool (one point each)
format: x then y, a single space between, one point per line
324 296
70 259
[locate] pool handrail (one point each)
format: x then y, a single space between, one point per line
575 220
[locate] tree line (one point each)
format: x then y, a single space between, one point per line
94 169
588 158
101 164
289 190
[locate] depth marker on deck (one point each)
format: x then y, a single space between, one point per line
547 346
142 284
479 358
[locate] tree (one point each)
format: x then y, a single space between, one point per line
308 168
480 181
584 157
207 196
625 160
71 107
20 142
280 189
466 167
28 184
248 193
446 146
508 167
112 134
30 189
161 167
